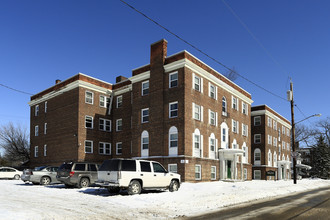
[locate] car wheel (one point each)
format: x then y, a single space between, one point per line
113 189
174 186
45 180
84 182
134 187
16 177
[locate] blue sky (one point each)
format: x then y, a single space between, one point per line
41 41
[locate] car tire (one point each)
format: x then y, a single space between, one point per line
113 189
174 186
45 180
16 177
84 182
134 188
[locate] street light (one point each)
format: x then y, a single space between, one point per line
315 115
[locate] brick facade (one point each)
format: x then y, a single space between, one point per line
187 126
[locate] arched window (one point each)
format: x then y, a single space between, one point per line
224 106
173 141
234 144
283 157
257 156
145 144
212 146
224 135
197 143
269 158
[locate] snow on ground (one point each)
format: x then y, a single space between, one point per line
27 201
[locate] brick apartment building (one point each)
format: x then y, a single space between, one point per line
176 110
271 143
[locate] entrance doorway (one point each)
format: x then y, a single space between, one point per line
228 169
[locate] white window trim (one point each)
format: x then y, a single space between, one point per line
117 102
36 131
36 110
172 164
86 97
246 108
215 91
104 125
121 143
45 128
254 120
104 147
147 81
117 124
169 109
215 117
200 83
254 174
200 173
142 110
91 147
91 122
169 79
200 112
36 151
46 106
215 173
45 150
237 103
255 138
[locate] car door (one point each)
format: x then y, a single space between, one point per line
146 174
3 173
53 173
161 179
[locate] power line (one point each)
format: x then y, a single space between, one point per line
199 50
16 90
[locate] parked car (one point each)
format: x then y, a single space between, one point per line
10 173
43 175
77 174
135 175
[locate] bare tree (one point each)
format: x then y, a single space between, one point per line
323 127
15 143
305 135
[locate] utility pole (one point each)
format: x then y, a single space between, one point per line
290 97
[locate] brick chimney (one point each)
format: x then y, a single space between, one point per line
57 81
120 79
158 52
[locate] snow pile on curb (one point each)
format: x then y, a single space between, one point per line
24 201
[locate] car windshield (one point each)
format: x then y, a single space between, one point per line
65 166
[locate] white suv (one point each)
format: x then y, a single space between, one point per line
135 175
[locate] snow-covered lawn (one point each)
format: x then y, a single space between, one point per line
25 201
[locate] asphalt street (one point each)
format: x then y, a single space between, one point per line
313 204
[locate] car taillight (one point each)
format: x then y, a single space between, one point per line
71 173
31 173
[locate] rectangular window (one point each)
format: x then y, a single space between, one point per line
275 141
89 147
145 88
173 110
45 128
283 145
104 148
270 140
257 175
197 83
104 101
45 150
145 143
235 126
174 140
119 148
257 121
88 122
213 172
212 118
234 103
288 132
275 125
36 130
36 150
46 107
269 122
197 112
173 80
105 124
119 101
36 110
119 125
212 91
245 174
244 130
244 108
89 97
198 172
173 168
145 115
257 138
283 130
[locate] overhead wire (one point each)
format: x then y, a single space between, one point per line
199 50
16 90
